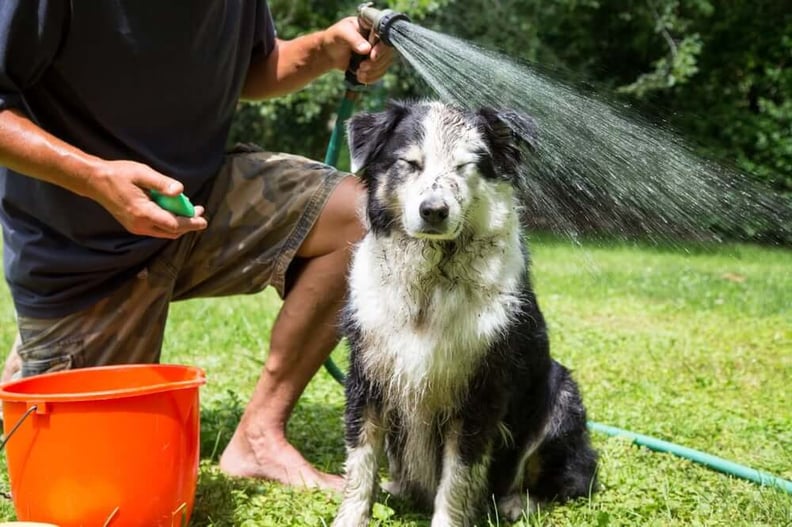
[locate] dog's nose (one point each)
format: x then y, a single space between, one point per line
433 211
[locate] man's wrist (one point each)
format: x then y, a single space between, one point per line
85 172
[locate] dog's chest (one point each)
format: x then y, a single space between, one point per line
427 318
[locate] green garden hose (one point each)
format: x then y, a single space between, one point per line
708 460
331 158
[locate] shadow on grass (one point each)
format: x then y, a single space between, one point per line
216 499
316 430
219 418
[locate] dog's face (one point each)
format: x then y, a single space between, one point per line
428 165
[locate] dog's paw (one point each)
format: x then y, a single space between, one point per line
355 511
351 520
394 488
514 506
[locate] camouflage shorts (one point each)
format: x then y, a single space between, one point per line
260 209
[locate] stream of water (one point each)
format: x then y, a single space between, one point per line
596 163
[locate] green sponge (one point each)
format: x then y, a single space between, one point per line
179 205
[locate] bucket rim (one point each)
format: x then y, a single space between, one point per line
31 397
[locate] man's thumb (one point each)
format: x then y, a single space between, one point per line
164 185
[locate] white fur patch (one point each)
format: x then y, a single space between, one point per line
426 333
514 506
360 485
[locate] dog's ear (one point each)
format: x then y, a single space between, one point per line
508 134
368 133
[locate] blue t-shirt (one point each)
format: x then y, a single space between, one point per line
145 80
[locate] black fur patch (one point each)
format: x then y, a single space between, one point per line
508 134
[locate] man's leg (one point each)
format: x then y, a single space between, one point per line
13 363
304 334
125 327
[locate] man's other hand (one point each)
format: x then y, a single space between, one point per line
122 188
343 38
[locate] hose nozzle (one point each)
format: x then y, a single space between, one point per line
379 21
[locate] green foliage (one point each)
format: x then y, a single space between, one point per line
299 123
740 107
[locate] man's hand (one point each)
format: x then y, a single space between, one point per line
343 38
294 63
121 188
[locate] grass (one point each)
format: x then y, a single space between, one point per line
691 345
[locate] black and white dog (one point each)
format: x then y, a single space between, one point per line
450 371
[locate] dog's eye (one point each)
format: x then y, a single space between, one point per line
469 164
411 163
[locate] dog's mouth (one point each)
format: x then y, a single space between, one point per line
433 234
446 231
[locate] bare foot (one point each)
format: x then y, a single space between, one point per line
270 457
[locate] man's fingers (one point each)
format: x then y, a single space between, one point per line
196 223
156 232
382 53
375 67
164 224
351 33
152 180
161 220
370 73
159 232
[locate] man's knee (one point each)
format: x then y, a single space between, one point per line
13 363
340 224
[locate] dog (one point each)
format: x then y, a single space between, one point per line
450 374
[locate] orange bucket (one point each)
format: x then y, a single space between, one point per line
111 446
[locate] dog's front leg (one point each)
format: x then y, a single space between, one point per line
463 482
364 448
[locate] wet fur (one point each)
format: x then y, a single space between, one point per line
450 372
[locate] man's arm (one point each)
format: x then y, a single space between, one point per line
294 63
30 34
117 185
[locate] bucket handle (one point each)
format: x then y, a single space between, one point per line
180 509
14 428
110 518
180 515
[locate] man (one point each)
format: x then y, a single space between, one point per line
101 102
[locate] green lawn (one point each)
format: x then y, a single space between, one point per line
692 346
